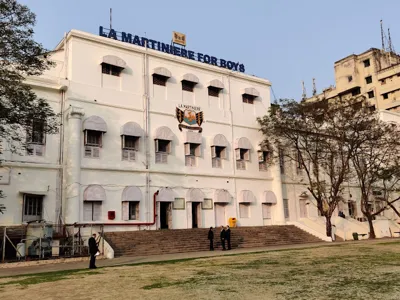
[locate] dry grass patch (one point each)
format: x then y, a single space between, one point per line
352 271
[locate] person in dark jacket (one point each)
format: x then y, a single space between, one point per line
93 248
222 236
211 238
228 237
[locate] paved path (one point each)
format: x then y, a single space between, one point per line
130 260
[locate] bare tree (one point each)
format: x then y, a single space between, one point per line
376 165
317 137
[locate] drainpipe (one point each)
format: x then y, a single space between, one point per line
233 150
146 103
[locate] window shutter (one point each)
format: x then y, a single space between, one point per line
187 149
96 152
237 153
156 145
137 205
247 155
266 211
87 211
137 144
158 158
85 138
169 147
164 158
223 153
244 210
125 154
96 211
132 155
38 150
198 151
88 151
261 156
101 140
213 152
125 211
122 141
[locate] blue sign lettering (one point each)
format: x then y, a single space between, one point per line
170 49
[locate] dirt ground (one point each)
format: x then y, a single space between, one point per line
347 271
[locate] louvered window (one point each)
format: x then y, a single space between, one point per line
213 91
244 210
191 152
110 69
162 149
130 144
159 80
263 160
217 155
266 208
188 86
242 156
248 98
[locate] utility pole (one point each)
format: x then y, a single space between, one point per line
110 18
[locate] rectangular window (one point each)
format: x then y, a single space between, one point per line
356 91
385 96
248 98
266 208
368 79
188 86
130 142
191 152
350 78
133 210
207 204
263 160
33 206
213 91
36 132
367 63
93 138
159 80
217 155
371 94
163 148
92 211
242 156
110 69
286 208
244 210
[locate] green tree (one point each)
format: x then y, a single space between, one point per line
20 57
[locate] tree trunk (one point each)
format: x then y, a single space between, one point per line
371 227
328 226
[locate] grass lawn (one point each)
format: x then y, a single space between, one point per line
346 271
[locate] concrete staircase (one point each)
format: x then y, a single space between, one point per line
154 242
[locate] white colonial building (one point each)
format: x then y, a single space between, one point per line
146 138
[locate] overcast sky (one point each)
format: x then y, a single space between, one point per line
285 41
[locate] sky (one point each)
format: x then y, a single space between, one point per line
284 41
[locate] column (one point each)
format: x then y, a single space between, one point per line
73 170
279 214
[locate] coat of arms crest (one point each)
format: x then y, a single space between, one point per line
190 115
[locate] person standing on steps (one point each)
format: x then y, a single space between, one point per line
93 249
228 237
222 236
211 238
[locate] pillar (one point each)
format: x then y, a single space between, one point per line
73 169
279 214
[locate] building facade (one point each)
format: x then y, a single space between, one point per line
147 140
374 74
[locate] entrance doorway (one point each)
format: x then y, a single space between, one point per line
165 215
303 208
220 216
195 214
